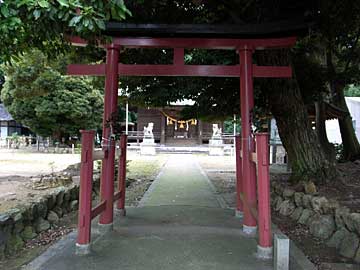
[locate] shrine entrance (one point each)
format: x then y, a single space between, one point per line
252 153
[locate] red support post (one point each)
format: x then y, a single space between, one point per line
239 188
248 169
85 199
110 107
122 174
263 183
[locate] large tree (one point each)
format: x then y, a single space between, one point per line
287 100
340 39
50 104
43 24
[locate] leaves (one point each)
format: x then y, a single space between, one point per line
63 3
75 20
39 97
42 24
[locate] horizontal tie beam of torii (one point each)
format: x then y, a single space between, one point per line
179 68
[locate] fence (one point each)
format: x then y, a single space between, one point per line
86 211
32 143
260 212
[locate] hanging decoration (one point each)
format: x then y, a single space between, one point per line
171 121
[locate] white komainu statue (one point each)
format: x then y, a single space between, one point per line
216 131
148 131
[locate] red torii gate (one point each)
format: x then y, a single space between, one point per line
246 158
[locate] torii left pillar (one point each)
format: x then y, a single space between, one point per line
108 164
248 184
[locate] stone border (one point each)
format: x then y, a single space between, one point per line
335 225
25 222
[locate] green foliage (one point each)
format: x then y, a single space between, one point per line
229 126
352 91
27 24
50 104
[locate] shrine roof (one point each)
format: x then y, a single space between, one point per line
264 30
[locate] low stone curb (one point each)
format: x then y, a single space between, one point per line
25 222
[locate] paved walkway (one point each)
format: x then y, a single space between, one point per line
181 182
179 226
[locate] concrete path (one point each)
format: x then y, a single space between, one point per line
180 226
181 182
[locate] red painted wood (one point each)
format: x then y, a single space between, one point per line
185 70
239 185
181 70
122 172
110 107
117 196
90 70
272 71
97 210
179 56
86 176
263 183
246 93
210 43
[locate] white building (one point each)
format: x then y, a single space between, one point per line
332 126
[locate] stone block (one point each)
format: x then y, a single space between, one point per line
310 188
337 238
60 198
305 216
306 199
319 204
42 209
288 192
355 218
59 211
298 198
297 213
287 207
74 205
349 245
339 214
281 252
41 225
278 203
28 233
52 217
322 226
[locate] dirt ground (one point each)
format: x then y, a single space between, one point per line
16 162
141 172
16 168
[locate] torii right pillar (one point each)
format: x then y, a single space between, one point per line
247 140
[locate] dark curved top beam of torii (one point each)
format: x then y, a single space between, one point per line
179 37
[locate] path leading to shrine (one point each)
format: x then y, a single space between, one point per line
181 182
179 225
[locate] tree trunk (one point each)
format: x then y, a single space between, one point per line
349 140
321 131
308 160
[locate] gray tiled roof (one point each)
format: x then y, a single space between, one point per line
4 114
